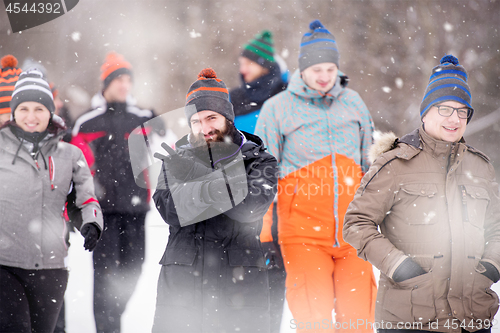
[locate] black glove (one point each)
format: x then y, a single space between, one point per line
182 168
217 190
491 271
91 233
406 270
270 252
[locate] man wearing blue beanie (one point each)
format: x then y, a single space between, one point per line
427 215
320 132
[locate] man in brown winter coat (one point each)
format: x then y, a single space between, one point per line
436 202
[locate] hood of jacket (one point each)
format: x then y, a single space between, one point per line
414 143
298 87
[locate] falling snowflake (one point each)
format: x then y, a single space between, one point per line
349 181
182 122
76 36
448 27
135 200
194 34
399 82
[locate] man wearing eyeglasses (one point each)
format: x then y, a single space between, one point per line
427 215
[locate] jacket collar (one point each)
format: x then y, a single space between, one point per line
439 149
419 140
14 146
298 87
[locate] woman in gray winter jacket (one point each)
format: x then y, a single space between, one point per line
37 171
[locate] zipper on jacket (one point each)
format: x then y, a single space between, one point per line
465 214
51 173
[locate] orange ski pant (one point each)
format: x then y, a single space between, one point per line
321 279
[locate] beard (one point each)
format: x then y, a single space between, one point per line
223 135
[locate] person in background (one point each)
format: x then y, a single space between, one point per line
261 78
62 111
37 171
320 132
102 135
213 193
9 74
427 215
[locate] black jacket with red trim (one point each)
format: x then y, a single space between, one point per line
102 135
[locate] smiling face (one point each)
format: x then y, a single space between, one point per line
321 77
32 117
209 124
450 129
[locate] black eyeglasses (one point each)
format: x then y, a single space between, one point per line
447 111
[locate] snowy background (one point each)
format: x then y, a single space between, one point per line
387 48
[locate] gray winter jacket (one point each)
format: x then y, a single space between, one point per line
32 199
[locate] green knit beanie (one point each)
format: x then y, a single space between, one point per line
260 49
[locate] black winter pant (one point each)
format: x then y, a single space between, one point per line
118 260
277 278
30 300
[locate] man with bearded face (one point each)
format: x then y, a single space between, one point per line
213 192
219 135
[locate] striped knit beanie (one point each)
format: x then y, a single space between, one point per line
32 87
9 74
114 66
208 93
260 49
448 82
317 46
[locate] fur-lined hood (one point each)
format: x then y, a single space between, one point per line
385 142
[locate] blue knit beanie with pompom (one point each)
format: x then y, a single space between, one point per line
448 82
317 46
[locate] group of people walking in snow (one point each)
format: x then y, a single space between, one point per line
278 191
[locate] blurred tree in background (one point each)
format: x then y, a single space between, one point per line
387 48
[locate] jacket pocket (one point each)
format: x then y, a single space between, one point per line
484 301
177 281
475 200
416 198
179 256
246 279
412 300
